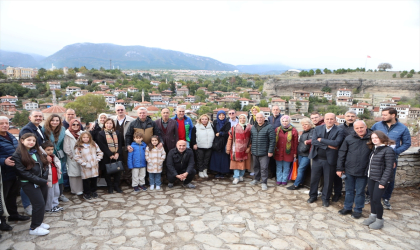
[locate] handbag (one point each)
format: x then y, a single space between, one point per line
114 167
60 154
294 170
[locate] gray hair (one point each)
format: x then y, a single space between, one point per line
351 112
36 110
142 108
119 105
180 107
275 106
4 118
361 122
262 113
307 121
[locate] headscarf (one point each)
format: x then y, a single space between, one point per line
101 125
287 129
254 116
220 123
283 118
72 131
246 120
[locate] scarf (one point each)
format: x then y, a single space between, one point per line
72 131
220 123
240 140
111 140
289 132
254 116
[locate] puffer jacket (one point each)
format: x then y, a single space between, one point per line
137 158
7 148
264 141
381 163
202 136
38 174
303 150
353 155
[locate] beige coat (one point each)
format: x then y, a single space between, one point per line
73 168
57 164
155 159
88 158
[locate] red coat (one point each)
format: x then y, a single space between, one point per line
280 151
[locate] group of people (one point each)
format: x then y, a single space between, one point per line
62 155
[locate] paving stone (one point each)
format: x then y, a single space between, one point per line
241 247
209 239
362 244
198 226
157 234
24 245
138 241
185 236
89 246
229 237
279 244
135 232
112 213
64 241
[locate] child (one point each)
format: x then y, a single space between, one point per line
31 167
88 154
137 162
54 174
155 158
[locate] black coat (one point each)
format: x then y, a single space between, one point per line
335 138
263 141
95 131
38 174
347 130
31 128
303 149
353 156
179 163
223 137
382 161
7 148
103 145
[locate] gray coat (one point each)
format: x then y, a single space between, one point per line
264 141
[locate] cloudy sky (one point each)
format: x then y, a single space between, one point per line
300 34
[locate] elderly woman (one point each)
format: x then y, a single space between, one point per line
98 125
304 146
239 149
252 118
219 161
73 168
286 149
202 137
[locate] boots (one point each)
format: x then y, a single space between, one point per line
378 224
117 178
4 226
117 188
370 220
205 173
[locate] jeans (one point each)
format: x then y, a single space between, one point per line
66 181
303 165
283 170
25 199
390 187
358 184
154 179
238 173
261 168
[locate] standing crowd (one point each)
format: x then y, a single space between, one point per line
63 156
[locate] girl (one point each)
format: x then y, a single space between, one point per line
202 137
155 158
379 172
286 149
73 168
88 155
31 167
219 161
110 142
239 147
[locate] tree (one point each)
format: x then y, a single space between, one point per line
412 71
121 96
327 71
21 118
311 72
88 106
263 103
2 75
298 105
326 89
318 72
409 75
384 66
394 75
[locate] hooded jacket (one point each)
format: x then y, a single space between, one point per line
137 158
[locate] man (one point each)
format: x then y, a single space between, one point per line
185 125
398 132
232 118
122 122
326 140
353 159
263 141
316 119
274 120
11 185
144 124
169 130
180 163
70 114
347 126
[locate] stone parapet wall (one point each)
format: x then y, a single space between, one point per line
408 171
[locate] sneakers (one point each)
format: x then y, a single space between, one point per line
87 197
189 185
143 187
95 195
28 210
251 174
152 187
136 189
370 220
235 181
63 198
292 187
367 199
157 187
54 210
254 182
201 174
387 205
39 231
79 193
264 187
170 185
45 226
205 173
241 178
378 224
58 208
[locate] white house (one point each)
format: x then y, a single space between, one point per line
132 89
81 81
244 102
117 92
109 98
328 96
28 85
79 74
340 119
190 98
344 92
9 98
358 109
403 111
344 101
73 91
30 105
155 97
383 105
54 85
196 106
155 83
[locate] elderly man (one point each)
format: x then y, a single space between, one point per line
122 122
180 163
232 118
353 159
11 185
317 119
326 140
70 114
185 125
274 120
169 130
347 126
143 124
263 140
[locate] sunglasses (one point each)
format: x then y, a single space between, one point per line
120 110
75 124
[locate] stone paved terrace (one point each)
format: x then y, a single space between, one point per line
218 215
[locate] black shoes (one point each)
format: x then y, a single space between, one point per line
325 203
87 197
19 218
311 200
293 187
336 197
94 195
5 227
344 211
117 189
356 215
110 190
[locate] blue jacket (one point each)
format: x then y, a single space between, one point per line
397 132
188 125
277 121
137 158
7 148
31 128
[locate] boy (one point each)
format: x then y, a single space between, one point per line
137 162
54 175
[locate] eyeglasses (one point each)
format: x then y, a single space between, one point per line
75 124
120 110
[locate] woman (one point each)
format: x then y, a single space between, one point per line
286 149
305 141
3 210
109 141
239 148
253 118
55 132
379 172
202 137
98 125
73 168
219 161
